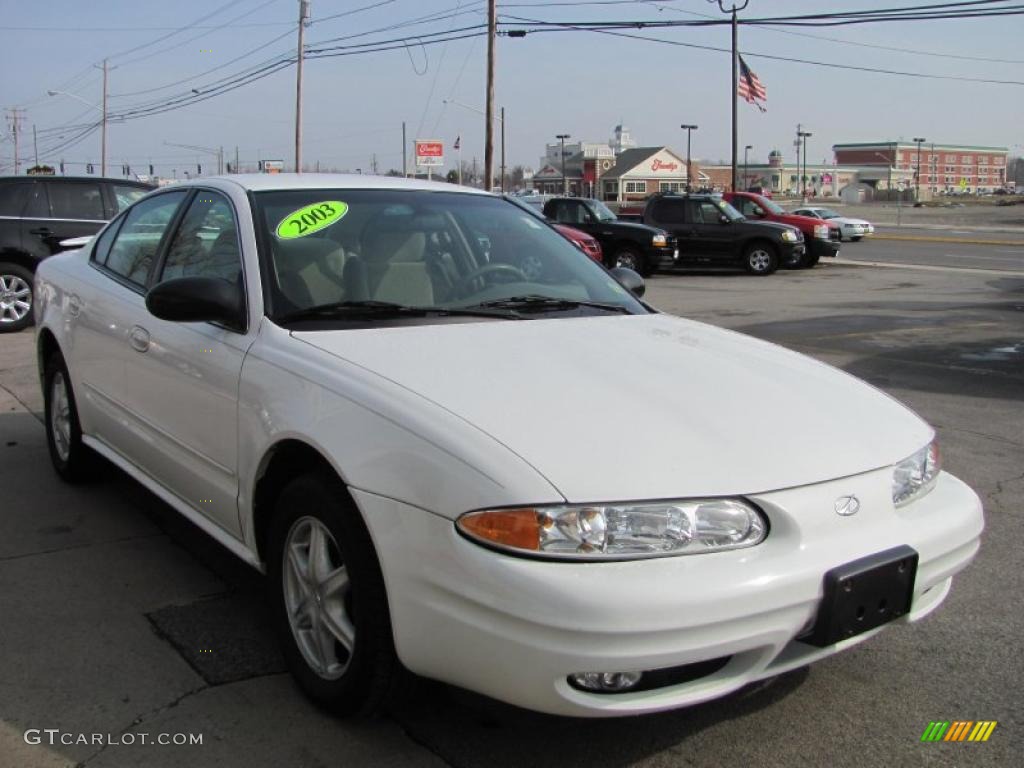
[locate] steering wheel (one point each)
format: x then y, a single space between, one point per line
460 287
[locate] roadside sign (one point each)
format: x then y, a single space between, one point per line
963 184
429 152
271 166
826 178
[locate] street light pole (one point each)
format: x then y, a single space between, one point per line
803 136
565 182
103 139
689 166
917 179
746 180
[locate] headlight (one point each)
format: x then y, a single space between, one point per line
789 236
659 240
915 476
619 531
821 231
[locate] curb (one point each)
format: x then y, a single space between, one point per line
936 239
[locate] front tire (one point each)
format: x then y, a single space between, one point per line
760 259
630 258
15 298
329 601
854 239
71 458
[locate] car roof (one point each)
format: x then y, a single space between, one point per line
261 182
47 177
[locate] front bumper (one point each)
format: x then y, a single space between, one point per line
515 628
818 247
792 253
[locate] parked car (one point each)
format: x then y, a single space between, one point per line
627 244
36 214
333 378
579 238
851 229
821 237
709 231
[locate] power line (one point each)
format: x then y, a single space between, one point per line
567 27
911 51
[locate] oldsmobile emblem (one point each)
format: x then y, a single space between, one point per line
847 505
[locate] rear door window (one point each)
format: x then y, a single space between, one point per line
669 211
12 198
125 195
38 203
77 200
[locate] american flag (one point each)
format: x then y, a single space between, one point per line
457 140
749 86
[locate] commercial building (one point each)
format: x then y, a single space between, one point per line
642 171
941 168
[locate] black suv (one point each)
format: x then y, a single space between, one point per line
625 244
36 213
710 231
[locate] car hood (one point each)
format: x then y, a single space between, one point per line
631 226
642 407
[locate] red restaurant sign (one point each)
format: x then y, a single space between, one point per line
429 152
661 165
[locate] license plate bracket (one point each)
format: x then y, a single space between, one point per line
864 594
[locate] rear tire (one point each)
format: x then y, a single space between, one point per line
328 599
15 297
854 239
760 258
71 458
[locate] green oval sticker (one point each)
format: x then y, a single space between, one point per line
311 218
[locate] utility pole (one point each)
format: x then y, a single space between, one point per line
746 179
492 32
503 150
303 15
565 182
237 170
689 166
405 163
35 144
15 119
732 10
103 139
917 176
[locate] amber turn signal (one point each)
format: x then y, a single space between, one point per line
517 528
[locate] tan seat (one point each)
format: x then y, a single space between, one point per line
309 271
396 269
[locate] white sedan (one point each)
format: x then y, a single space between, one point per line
849 229
426 450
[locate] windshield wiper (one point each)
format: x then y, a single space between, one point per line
547 303
371 308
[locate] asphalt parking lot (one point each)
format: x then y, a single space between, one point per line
118 617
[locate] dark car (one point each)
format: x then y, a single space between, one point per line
710 231
36 213
625 244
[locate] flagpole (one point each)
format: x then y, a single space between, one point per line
460 158
735 81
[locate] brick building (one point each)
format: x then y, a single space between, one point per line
943 167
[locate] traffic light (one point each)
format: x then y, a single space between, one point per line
199 170
229 168
127 170
61 167
88 167
150 170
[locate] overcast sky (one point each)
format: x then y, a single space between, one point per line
572 82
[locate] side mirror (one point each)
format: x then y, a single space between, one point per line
196 300
630 280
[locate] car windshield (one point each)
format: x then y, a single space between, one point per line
827 213
728 211
770 205
601 211
342 253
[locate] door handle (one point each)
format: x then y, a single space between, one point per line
138 337
41 231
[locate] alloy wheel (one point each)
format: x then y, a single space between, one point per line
627 259
760 260
317 597
15 298
60 416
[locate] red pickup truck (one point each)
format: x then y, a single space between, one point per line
821 240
